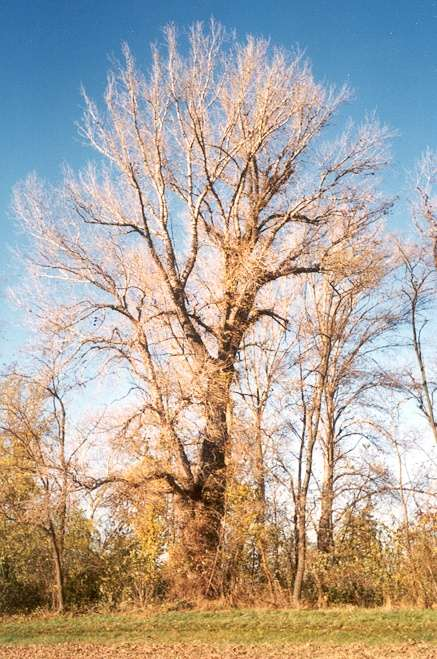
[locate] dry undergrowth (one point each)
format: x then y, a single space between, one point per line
203 651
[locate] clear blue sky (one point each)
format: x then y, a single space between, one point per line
386 50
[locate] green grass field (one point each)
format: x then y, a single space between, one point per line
337 627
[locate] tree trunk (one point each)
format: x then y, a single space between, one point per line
325 540
261 497
300 549
325 532
312 427
301 498
58 574
195 557
203 508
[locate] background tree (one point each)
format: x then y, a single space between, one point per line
356 310
419 296
39 458
425 207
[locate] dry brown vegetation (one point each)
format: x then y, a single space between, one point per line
188 651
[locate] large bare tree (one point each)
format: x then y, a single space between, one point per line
213 185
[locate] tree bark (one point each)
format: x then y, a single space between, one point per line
325 532
301 540
261 500
58 573
201 510
194 558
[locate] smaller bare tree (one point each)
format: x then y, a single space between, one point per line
419 288
38 444
425 208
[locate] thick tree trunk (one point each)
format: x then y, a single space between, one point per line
194 558
196 555
203 507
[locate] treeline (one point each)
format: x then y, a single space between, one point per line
230 388
371 564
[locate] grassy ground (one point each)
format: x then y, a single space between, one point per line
249 633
